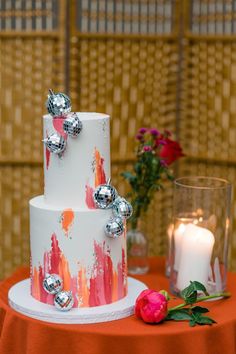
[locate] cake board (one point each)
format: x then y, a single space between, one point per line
20 300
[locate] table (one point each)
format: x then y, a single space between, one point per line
22 335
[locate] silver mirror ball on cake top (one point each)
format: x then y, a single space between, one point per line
72 125
55 143
52 284
64 300
58 104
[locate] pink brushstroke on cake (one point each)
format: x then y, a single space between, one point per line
89 196
58 126
103 286
48 154
97 284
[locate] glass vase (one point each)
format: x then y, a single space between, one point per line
137 252
199 240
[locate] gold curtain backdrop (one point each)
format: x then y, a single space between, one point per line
165 64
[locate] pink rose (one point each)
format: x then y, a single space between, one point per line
171 151
151 306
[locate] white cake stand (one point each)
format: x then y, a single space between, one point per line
20 300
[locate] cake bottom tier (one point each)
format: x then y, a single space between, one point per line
72 244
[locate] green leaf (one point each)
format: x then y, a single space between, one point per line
199 309
179 315
192 323
186 292
205 320
127 175
199 287
189 294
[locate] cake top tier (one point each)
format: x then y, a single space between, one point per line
71 177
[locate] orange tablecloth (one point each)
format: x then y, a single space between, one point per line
22 335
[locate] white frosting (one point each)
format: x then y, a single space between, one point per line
78 245
66 177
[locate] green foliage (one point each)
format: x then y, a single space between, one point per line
145 179
189 294
194 314
179 315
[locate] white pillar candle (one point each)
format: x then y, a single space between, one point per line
195 255
178 235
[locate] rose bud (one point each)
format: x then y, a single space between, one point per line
151 306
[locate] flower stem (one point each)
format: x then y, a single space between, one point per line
204 298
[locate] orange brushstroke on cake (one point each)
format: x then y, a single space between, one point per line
65 273
83 290
99 178
35 281
67 218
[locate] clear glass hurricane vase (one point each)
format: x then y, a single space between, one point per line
200 233
137 251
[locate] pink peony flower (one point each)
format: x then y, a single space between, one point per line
151 306
147 148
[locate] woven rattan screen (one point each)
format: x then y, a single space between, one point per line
208 102
146 63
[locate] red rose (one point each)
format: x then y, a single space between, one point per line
151 306
171 151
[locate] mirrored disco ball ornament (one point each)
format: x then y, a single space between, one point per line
114 227
64 300
52 283
104 195
55 143
122 207
58 104
72 125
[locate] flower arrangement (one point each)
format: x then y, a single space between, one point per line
152 306
155 153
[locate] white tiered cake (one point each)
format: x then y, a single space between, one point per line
72 242
66 231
